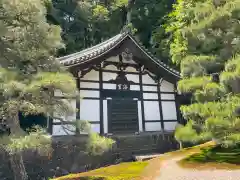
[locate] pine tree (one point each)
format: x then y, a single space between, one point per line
29 75
206 44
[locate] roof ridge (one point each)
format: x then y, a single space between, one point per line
157 60
103 47
92 47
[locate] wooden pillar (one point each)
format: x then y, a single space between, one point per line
50 125
160 102
141 98
179 119
101 100
78 103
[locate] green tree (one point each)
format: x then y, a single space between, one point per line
29 76
205 43
148 17
185 134
86 23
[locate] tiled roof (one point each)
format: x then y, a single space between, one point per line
104 47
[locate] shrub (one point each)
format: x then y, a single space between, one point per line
217 154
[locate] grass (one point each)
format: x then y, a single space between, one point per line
214 156
123 171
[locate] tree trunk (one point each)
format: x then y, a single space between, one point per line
16 159
181 144
18 168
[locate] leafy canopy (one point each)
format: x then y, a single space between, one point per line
206 45
29 73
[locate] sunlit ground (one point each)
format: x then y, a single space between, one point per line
169 166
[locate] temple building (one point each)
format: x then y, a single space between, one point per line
123 89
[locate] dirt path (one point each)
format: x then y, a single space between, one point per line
170 170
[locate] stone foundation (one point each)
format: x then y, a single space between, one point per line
68 154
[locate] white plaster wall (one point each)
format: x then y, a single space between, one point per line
151 110
134 87
168 96
130 61
114 68
105 116
116 59
111 67
150 96
89 85
131 69
85 93
92 75
89 110
150 88
169 110
170 126
153 126
146 79
109 86
113 59
95 128
60 130
133 77
140 117
109 76
167 87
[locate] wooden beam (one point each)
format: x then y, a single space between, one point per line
160 103
177 106
141 98
78 104
101 99
50 125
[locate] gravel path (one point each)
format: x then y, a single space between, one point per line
170 170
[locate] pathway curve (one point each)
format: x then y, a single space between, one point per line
170 170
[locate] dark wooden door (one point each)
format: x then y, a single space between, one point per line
122 116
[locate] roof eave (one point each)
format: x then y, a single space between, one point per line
95 55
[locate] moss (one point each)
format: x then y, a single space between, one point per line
123 171
216 154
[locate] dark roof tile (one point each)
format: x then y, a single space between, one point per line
100 49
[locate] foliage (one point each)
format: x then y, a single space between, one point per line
86 23
29 75
97 144
216 154
123 171
206 45
37 140
185 133
147 18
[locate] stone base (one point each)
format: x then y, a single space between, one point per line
68 154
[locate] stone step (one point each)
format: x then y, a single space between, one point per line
146 157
